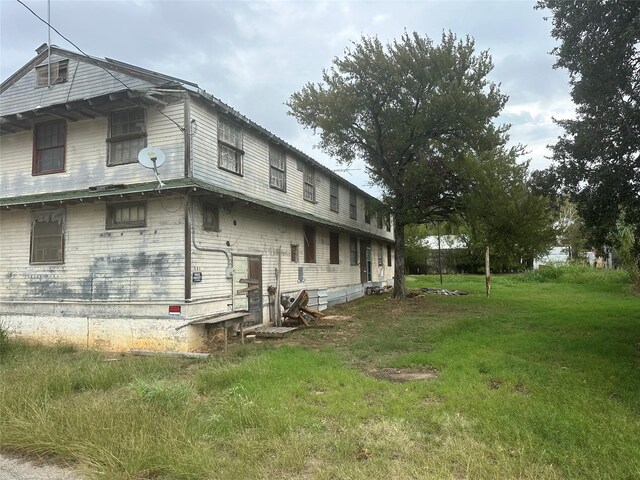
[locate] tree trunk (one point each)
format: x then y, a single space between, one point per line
487 270
398 277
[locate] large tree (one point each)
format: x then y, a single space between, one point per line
412 111
598 157
503 214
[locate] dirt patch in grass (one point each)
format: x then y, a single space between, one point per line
401 375
494 383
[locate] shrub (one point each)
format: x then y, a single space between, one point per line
4 340
574 274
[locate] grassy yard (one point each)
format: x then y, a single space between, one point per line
542 380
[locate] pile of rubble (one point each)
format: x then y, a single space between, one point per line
442 291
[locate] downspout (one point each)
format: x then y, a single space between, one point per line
187 218
187 248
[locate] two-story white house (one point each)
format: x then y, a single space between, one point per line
93 250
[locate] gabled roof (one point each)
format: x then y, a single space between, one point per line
107 63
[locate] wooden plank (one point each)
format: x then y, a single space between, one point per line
222 318
274 332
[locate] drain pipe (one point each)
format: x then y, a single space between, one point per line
229 269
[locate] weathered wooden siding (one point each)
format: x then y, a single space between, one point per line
246 231
86 157
135 264
255 179
85 80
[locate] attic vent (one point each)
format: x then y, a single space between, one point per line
58 73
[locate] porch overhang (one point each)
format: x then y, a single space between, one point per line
171 187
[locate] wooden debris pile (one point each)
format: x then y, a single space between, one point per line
296 311
443 291
377 290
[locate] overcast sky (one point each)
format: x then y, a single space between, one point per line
254 55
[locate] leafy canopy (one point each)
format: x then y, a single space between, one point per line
598 157
410 110
503 213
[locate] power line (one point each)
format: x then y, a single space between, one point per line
182 129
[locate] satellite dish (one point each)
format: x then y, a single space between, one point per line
152 157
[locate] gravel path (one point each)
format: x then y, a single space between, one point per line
12 468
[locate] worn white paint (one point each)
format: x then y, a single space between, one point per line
114 288
86 157
255 179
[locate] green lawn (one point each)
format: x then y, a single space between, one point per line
542 380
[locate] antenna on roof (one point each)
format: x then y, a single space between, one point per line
151 157
48 43
347 170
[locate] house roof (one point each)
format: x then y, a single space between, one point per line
149 81
447 242
150 189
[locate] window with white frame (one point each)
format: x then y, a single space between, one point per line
47 236
126 215
380 261
309 188
353 250
334 200
49 147
127 136
353 209
334 248
230 147
379 219
309 244
277 168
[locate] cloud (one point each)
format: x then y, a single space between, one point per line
254 54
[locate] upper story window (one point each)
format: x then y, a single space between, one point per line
367 215
126 215
353 209
58 73
334 200
309 189
379 219
230 147
47 237
127 136
49 147
388 222
277 168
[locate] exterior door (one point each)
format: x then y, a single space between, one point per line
254 294
247 286
365 261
